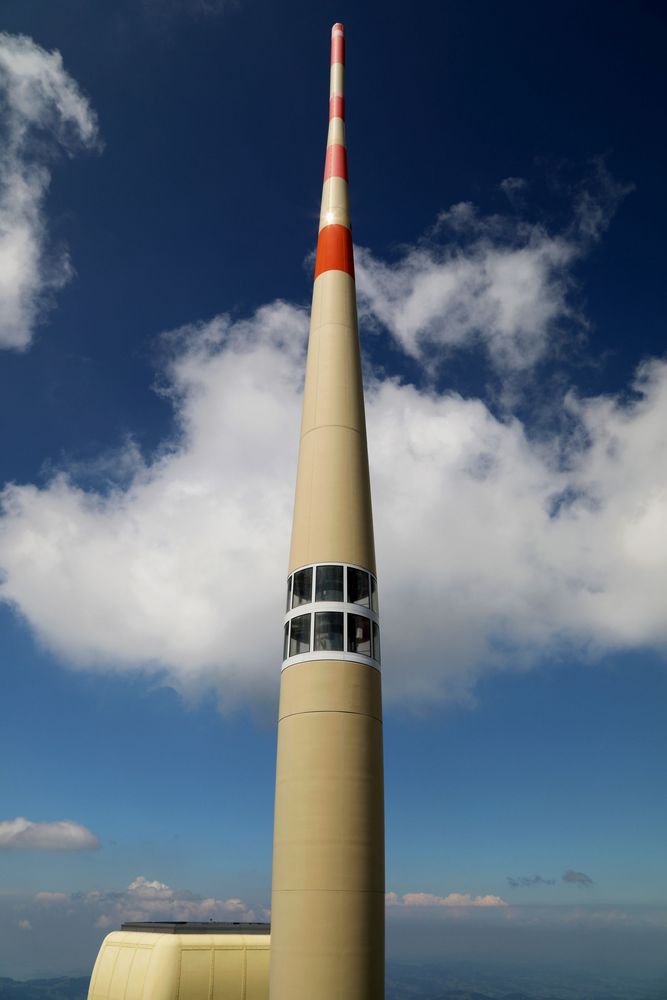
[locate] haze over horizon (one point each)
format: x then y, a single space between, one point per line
160 175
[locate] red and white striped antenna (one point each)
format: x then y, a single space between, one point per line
334 244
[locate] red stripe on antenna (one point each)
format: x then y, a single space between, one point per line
337 49
337 107
335 164
334 250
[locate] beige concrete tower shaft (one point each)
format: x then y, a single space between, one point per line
327 938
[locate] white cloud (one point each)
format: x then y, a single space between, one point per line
509 298
50 897
517 548
150 899
496 281
452 899
494 548
61 835
191 556
39 101
143 888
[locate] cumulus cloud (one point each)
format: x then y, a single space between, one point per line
61 835
150 899
50 897
194 549
497 281
453 899
42 111
526 881
495 547
144 888
577 878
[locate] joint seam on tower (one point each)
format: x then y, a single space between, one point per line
321 427
330 711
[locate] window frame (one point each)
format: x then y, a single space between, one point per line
304 569
351 625
329 649
304 652
324 566
367 574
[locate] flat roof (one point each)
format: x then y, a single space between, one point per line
195 927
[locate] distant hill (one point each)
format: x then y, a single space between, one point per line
407 982
463 981
63 988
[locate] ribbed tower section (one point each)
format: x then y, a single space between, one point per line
327 938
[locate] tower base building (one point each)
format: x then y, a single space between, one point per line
176 960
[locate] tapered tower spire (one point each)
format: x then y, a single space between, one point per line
327 936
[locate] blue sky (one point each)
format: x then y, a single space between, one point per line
159 191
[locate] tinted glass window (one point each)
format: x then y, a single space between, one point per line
303 587
376 642
289 593
299 640
357 587
285 641
359 634
329 630
329 585
374 593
